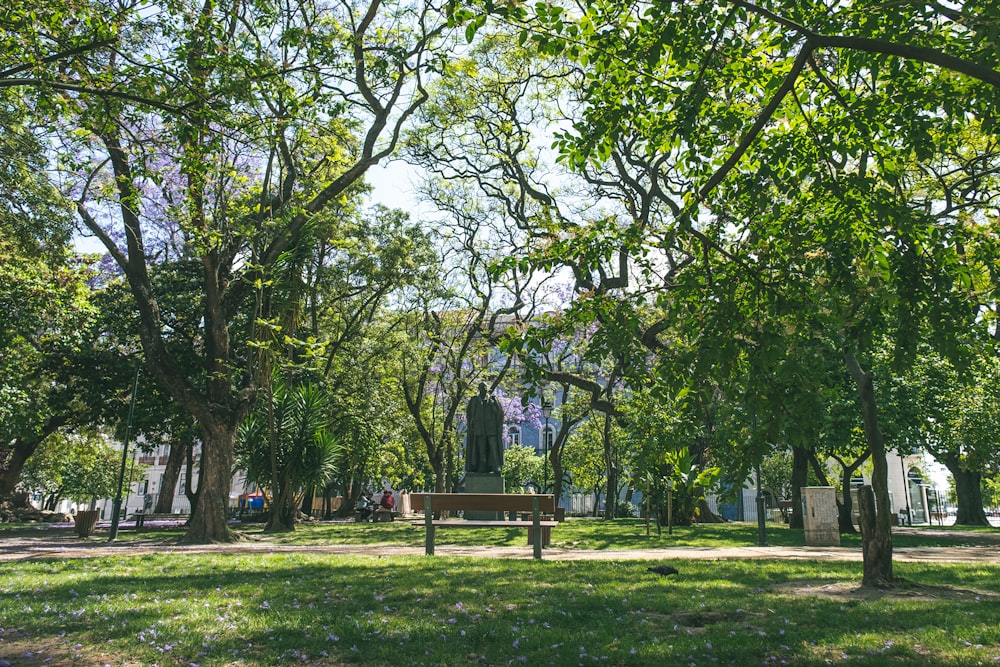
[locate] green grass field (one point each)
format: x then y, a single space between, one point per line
315 609
588 534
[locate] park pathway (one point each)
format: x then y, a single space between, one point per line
50 546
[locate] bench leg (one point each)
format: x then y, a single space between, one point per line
428 527
546 536
536 528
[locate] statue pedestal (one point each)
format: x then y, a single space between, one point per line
483 482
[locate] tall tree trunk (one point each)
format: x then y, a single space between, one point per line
308 500
845 508
278 513
968 492
555 461
172 473
189 491
208 519
845 504
611 495
281 514
440 472
870 539
800 478
876 537
328 500
357 488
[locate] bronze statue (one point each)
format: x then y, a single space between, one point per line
484 440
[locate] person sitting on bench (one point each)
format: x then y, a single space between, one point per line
366 507
387 503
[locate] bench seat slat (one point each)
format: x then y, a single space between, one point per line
459 523
485 502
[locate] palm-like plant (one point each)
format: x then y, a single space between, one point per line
287 447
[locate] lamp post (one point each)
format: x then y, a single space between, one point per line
113 535
761 526
547 413
670 507
906 491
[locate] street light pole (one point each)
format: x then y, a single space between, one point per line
906 490
761 526
113 535
546 412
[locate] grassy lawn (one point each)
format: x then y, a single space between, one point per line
588 534
316 609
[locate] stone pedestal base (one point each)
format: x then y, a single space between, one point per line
483 482
819 505
823 538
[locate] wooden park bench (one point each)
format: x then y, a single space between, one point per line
141 516
538 505
382 514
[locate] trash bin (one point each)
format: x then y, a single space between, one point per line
85 522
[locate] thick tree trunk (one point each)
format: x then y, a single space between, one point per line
15 454
172 473
874 544
281 514
705 513
800 478
12 460
208 520
876 536
189 491
968 492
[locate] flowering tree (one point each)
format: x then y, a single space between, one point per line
251 121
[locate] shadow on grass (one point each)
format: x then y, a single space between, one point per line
330 610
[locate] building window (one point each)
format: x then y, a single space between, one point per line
514 436
545 439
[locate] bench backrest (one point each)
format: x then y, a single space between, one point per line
487 502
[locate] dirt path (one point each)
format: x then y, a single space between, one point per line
69 546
